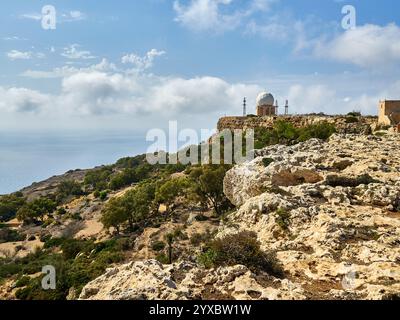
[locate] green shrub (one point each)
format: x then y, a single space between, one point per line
9 235
351 119
354 114
201 218
61 211
72 247
208 258
36 209
98 179
198 238
68 188
22 282
158 246
267 161
283 218
9 206
52 242
71 272
162 258
339 181
242 248
103 195
284 132
396 204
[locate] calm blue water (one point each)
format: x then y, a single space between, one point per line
31 157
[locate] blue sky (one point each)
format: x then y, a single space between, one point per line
112 65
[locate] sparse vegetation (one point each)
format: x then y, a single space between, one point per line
352 119
80 262
9 235
339 181
197 238
285 132
242 248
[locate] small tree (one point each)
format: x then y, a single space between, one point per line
208 185
170 190
114 214
36 209
138 202
69 188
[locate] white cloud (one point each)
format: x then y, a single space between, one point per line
104 89
142 63
22 100
369 46
103 66
14 38
313 98
77 15
31 16
70 16
103 92
72 52
216 15
203 15
24 55
19 55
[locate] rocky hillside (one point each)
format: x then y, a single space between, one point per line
329 210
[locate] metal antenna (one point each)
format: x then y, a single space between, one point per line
287 108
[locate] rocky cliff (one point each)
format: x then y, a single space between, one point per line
330 210
344 124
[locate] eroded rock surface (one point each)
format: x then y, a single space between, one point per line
346 236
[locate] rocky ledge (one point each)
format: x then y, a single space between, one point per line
330 211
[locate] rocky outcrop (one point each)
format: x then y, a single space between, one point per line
345 235
150 280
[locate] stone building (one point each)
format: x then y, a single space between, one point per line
389 113
265 105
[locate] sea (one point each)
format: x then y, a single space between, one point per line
35 156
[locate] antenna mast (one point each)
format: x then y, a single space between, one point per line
287 108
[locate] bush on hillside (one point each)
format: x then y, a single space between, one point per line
242 248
